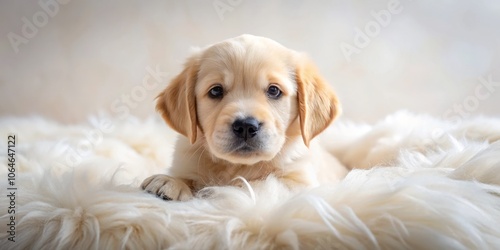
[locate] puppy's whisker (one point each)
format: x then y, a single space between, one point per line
198 163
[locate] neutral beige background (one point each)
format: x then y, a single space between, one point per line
97 56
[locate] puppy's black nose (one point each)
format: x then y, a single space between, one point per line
246 128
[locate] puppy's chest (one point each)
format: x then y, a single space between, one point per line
222 175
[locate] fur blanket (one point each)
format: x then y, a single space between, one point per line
431 185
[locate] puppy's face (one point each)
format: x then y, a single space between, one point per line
246 99
247 95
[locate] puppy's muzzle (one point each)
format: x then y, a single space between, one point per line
246 128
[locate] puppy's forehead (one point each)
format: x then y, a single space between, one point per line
245 56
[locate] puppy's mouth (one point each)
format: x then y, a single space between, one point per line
245 147
245 141
246 152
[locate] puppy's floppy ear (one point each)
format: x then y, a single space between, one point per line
177 103
318 105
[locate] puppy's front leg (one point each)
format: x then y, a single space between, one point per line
167 187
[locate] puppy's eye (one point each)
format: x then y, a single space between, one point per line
216 92
274 92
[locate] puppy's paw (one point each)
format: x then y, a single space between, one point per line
167 188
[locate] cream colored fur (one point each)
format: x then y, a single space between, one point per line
436 187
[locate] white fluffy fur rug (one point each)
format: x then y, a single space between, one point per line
436 186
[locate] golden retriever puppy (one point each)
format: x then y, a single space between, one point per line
247 107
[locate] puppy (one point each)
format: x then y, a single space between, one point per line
247 107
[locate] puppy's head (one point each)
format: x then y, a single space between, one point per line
245 97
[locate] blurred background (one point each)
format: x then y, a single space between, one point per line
66 60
